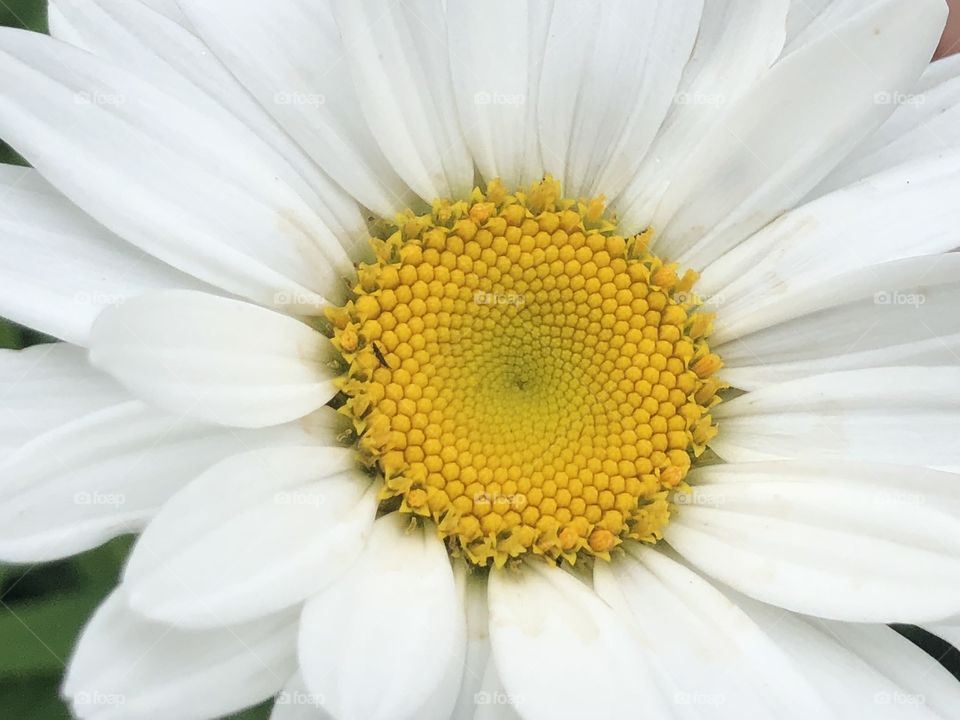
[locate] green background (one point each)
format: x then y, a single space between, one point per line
43 607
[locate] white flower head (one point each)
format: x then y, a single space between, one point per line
534 359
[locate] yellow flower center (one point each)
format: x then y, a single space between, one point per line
524 376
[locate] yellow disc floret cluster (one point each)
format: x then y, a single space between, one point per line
524 376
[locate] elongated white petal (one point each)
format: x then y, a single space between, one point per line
802 13
394 622
793 126
400 64
496 92
870 223
853 683
131 668
289 56
610 74
44 386
482 695
107 473
923 679
899 415
948 629
924 124
542 620
198 191
254 534
819 18
59 268
862 543
214 358
162 51
897 313
738 41
709 652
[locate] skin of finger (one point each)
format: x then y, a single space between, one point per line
950 43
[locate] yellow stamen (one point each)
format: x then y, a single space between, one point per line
524 376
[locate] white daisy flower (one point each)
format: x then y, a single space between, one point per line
518 359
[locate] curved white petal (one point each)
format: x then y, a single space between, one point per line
398 57
818 18
924 124
876 221
854 684
130 668
254 534
482 695
898 415
948 629
162 51
496 92
107 473
862 543
194 188
738 41
289 56
785 134
709 652
296 702
610 74
543 622
59 268
923 679
44 386
393 622
897 313
802 13
214 358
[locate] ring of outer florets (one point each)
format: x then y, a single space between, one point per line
524 376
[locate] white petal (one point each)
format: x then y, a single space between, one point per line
214 358
924 124
496 92
900 415
107 473
897 313
170 8
925 681
399 61
709 653
819 18
289 56
393 622
738 41
482 695
802 13
60 268
862 543
948 629
906 212
44 386
130 668
797 122
543 622
610 74
852 685
254 534
296 702
197 190
162 51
